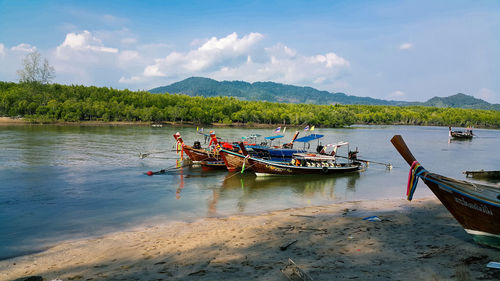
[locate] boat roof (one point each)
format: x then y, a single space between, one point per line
309 138
274 137
337 144
316 157
253 136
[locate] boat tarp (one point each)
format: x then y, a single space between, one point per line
309 138
274 137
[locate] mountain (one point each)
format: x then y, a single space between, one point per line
462 101
264 91
277 92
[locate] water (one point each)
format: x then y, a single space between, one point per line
60 183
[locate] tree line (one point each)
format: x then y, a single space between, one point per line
39 102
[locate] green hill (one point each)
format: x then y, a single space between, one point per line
277 92
461 101
264 91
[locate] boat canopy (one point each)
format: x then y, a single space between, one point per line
274 137
339 144
253 136
309 138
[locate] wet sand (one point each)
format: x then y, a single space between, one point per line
416 240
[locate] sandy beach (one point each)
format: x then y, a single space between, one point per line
416 240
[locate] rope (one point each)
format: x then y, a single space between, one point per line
235 174
416 171
163 171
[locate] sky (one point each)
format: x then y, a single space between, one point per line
394 50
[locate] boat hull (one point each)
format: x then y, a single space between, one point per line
264 168
479 217
490 175
234 161
213 165
198 155
461 135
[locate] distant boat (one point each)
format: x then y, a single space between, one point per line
302 163
482 174
467 134
475 206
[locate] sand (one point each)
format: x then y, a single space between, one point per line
416 240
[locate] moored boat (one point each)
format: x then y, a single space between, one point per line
196 153
467 134
482 174
235 160
475 206
302 163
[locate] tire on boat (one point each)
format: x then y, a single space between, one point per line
325 170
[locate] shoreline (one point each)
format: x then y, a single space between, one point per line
10 121
416 240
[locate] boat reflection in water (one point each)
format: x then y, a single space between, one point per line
247 188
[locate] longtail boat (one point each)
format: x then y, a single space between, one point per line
482 174
196 153
475 206
301 163
236 161
467 134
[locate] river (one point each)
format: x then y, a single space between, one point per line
67 182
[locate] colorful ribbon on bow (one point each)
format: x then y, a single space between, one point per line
416 171
244 162
180 148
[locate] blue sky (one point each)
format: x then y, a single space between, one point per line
402 50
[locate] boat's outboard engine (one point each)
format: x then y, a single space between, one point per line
353 155
197 145
319 148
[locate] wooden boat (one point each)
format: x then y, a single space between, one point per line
301 163
467 134
475 206
235 160
196 153
213 165
482 174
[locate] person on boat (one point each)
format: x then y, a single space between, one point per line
353 155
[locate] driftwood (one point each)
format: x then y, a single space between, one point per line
294 273
286 245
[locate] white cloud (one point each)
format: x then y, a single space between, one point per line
240 58
23 47
84 58
285 65
128 41
82 42
406 46
397 94
132 79
128 55
2 50
208 55
329 60
488 95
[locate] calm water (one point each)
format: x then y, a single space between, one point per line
61 183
